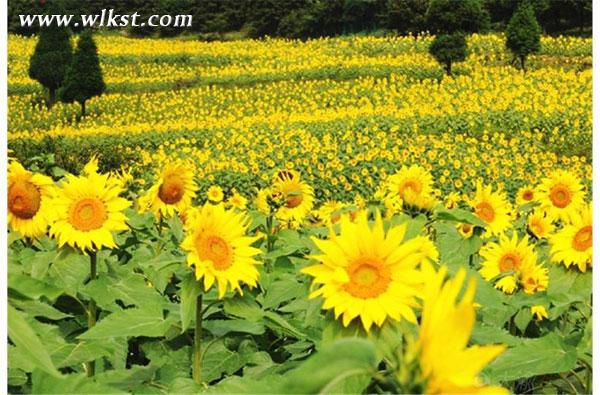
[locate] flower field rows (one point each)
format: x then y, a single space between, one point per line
329 216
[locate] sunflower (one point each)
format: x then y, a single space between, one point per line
507 259
29 201
215 194
218 248
525 194
539 224
539 311
534 278
492 208
261 201
447 365
414 185
173 192
560 194
237 201
572 245
452 200
465 230
88 209
369 273
297 196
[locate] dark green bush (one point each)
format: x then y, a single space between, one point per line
449 48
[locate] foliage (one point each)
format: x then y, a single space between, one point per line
451 16
523 33
83 79
52 56
449 48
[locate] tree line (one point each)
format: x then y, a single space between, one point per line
309 18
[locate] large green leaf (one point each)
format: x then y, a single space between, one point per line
344 366
222 327
129 322
532 357
190 289
70 384
28 343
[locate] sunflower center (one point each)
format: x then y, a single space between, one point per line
215 249
171 190
293 200
528 195
560 196
411 185
466 228
485 211
509 262
368 279
24 199
583 239
87 214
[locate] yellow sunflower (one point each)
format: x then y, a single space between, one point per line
525 194
88 209
492 208
539 224
262 200
447 365
414 185
534 278
561 194
572 245
29 201
173 192
369 273
465 230
237 201
296 195
507 259
539 311
215 194
452 200
219 249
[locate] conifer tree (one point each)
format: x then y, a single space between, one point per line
84 77
523 33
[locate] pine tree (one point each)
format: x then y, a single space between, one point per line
84 77
52 56
523 33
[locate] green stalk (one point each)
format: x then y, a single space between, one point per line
90 367
197 362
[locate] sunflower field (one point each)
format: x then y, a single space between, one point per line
325 216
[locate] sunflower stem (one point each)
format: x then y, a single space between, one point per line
161 222
197 363
91 366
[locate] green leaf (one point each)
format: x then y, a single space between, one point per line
278 322
129 322
533 357
218 359
222 327
69 270
32 288
190 289
244 307
28 343
77 383
458 215
283 290
334 369
523 318
35 308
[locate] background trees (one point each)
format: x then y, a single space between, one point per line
314 18
51 57
523 33
83 79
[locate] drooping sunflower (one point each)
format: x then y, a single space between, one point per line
525 194
368 273
261 201
88 209
572 245
297 196
509 257
219 249
447 365
492 208
29 201
560 194
539 224
414 185
539 311
173 192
